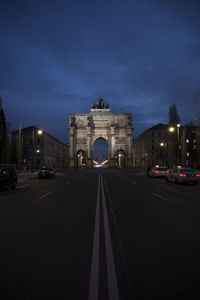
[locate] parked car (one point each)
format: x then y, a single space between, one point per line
45 171
8 176
181 175
157 172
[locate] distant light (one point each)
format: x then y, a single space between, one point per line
40 132
157 166
171 129
178 125
38 150
188 154
187 141
161 144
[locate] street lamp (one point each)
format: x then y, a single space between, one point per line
162 145
179 146
39 132
172 129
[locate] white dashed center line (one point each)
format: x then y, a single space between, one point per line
161 197
133 182
69 181
45 195
25 185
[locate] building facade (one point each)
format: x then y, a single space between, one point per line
168 146
154 146
32 147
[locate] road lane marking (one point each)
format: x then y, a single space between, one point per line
23 186
161 197
133 182
69 181
45 195
94 272
112 278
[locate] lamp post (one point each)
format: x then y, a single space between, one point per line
39 132
162 145
172 129
179 146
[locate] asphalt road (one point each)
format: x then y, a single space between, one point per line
99 235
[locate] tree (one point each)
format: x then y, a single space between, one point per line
174 118
4 141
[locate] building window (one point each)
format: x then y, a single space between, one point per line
194 141
195 147
38 141
158 133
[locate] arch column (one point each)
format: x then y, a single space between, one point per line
111 146
89 152
129 156
71 147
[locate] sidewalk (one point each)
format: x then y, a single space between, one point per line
24 176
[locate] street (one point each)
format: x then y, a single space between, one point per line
100 235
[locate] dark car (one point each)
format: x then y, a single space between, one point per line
46 171
158 171
8 176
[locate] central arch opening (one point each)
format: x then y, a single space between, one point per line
100 153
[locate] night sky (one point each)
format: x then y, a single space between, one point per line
57 57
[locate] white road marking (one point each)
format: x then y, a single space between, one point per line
112 278
23 186
69 181
94 272
161 197
133 182
45 195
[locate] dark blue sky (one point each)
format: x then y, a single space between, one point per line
57 57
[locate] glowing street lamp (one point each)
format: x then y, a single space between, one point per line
40 132
171 129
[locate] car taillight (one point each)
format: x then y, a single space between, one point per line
198 175
167 172
182 175
157 172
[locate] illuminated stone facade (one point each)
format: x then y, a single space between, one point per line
100 123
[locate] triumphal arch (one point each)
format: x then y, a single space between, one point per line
100 123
